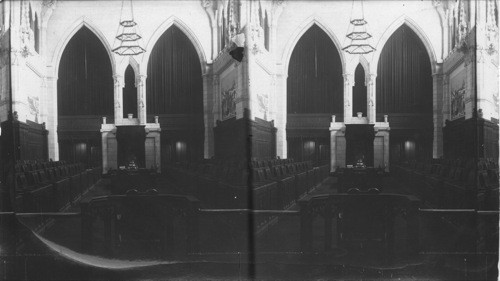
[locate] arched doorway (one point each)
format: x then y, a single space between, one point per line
84 96
314 92
404 92
175 94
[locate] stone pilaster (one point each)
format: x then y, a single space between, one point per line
281 116
52 122
140 84
348 84
118 97
153 146
337 145
381 145
371 100
109 147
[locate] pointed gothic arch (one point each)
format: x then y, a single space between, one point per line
70 32
315 83
85 83
405 20
167 24
130 92
299 32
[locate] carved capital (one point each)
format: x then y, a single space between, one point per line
370 79
348 79
118 81
140 80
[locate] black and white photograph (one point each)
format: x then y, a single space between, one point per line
249 140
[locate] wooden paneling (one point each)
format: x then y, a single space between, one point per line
30 139
263 139
232 139
471 138
81 123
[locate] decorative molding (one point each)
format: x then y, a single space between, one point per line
34 69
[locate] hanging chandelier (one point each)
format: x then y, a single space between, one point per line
127 35
357 35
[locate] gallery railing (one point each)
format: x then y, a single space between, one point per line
181 228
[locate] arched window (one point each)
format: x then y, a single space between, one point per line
85 84
37 34
265 27
359 92
174 83
223 32
404 79
314 83
129 93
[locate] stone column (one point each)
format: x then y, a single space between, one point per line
437 147
337 145
109 147
281 116
118 98
52 115
348 84
104 144
371 100
140 84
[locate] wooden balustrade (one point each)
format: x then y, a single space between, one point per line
162 208
349 209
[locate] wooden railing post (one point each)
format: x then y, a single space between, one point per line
305 226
